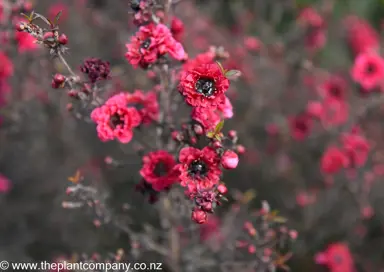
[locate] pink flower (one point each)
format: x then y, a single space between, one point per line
361 36
356 147
226 109
335 112
25 42
5 184
158 170
6 66
337 258
151 42
300 126
115 119
199 168
333 160
368 70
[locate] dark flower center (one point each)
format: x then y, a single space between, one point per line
161 169
116 120
146 43
205 86
301 125
198 168
371 68
135 5
335 91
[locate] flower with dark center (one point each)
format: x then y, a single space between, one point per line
115 120
205 86
151 42
368 70
300 126
199 169
135 5
158 170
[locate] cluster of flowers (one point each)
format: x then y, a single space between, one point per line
202 82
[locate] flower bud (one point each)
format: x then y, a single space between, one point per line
232 134
222 189
229 160
198 129
58 79
63 39
240 149
207 206
199 216
20 26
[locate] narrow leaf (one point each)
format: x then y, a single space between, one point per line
221 67
39 16
57 18
210 134
219 127
279 219
232 74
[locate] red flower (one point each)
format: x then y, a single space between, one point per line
335 87
158 170
301 126
207 118
357 148
361 36
6 66
25 42
177 28
204 86
199 169
333 160
151 42
335 112
337 257
145 103
115 119
5 184
368 70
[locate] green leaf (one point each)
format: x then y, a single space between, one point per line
57 17
279 219
232 74
221 67
210 134
219 127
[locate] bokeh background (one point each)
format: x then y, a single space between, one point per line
41 144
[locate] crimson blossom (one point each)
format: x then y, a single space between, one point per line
199 169
368 70
204 86
158 170
115 119
150 43
337 257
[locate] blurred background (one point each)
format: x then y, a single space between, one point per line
41 144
